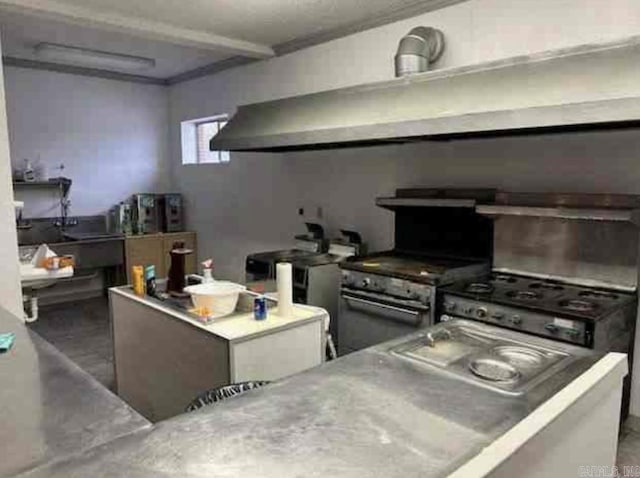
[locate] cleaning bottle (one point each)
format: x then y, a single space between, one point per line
207 269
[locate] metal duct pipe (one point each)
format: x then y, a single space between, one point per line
418 49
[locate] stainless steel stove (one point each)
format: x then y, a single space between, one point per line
438 239
261 266
565 268
591 317
389 294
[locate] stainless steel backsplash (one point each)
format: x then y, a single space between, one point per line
588 252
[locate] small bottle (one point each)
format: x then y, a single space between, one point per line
207 276
207 269
137 275
150 278
260 308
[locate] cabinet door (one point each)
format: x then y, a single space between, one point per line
189 239
279 354
145 250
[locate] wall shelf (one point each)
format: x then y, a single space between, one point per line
397 202
42 184
59 183
591 214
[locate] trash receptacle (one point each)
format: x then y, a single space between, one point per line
216 395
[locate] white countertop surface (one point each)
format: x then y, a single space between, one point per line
235 327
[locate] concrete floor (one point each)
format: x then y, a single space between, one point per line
81 331
629 444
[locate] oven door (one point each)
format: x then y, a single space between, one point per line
368 319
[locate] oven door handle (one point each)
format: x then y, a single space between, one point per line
416 315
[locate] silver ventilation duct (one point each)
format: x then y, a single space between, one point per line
421 47
573 89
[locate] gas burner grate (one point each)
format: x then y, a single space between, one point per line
524 295
503 278
595 294
546 286
578 305
479 288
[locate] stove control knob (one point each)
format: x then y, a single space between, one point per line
497 316
481 313
516 320
450 306
551 328
366 282
468 310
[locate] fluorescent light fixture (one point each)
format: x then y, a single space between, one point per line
92 58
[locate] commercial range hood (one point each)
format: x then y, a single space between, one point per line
585 87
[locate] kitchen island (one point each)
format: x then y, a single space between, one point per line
368 414
165 356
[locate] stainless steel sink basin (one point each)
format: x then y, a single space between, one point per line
90 236
486 356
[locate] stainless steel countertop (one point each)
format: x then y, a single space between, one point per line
367 414
49 407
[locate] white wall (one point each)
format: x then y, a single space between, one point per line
111 136
251 204
10 293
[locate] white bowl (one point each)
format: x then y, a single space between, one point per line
220 297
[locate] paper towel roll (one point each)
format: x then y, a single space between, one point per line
285 289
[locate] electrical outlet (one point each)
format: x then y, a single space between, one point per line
300 211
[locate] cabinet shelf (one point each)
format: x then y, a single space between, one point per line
64 183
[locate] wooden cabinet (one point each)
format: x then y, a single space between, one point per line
155 248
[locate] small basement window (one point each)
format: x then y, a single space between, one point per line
196 135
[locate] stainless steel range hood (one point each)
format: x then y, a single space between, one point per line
586 87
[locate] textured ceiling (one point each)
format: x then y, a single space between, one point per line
262 21
20 34
287 24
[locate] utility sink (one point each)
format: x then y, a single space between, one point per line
39 278
32 277
484 357
92 236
